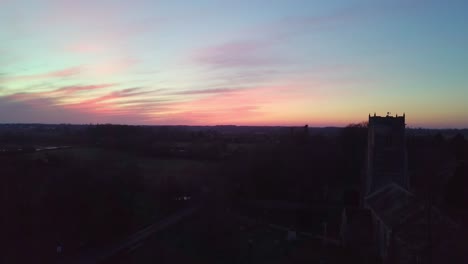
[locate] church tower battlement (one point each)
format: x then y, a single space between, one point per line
386 153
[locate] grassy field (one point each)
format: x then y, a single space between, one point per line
152 168
100 173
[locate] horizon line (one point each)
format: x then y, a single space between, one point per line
219 125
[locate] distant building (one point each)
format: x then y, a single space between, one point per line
392 224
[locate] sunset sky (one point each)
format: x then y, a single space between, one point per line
255 62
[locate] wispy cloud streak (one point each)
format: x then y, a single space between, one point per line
67 72
210 91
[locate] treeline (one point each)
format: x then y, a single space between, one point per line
161 141
165 142
438 168
312 169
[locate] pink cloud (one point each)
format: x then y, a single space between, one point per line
45 110
21 97
63 73
260 105
67 72
240 106
236 54
111 67
209 91
57 94
67 90
290 103
100 24
85 48
254 52
49 106
99 69
107 101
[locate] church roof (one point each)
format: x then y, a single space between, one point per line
408 218
394 205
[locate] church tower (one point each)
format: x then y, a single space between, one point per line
386 153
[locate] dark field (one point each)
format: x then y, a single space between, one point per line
120 194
